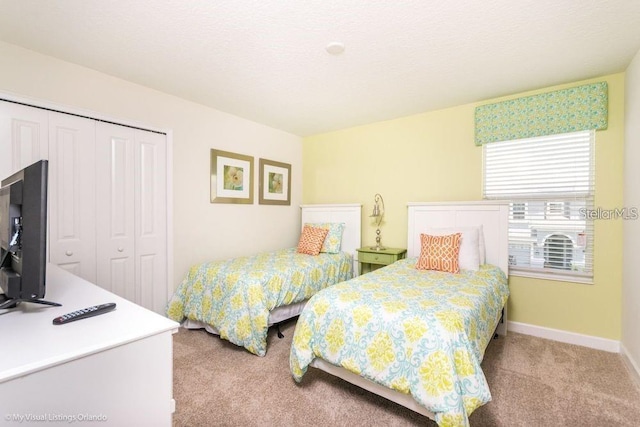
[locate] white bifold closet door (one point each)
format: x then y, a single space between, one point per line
107 197
151 207
131 214
24 137
72 194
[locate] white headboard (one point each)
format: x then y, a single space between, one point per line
350 214
493 216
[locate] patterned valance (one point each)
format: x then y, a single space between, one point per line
568 110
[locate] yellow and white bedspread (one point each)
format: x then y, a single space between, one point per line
236 295
419 332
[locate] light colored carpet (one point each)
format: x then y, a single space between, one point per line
534 382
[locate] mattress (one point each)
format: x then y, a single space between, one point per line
236 296
421 333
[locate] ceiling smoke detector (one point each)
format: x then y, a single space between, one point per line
335 48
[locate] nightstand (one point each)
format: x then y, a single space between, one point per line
379 258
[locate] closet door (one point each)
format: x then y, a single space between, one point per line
151 220
107 197
115 210
72 198
24 137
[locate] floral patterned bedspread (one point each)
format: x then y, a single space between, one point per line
236 295
419 332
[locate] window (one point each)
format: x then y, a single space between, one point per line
549 182
518 210
558 208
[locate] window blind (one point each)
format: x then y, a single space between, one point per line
549 182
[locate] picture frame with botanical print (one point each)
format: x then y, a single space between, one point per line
231 177
275 183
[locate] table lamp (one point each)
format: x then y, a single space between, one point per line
378 213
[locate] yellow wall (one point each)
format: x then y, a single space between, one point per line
432 157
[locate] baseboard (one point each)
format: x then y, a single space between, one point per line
597 343
632 366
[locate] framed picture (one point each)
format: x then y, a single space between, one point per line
275 183
231 177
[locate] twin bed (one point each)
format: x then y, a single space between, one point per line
416 337
240 298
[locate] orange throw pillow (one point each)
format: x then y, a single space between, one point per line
439 253
311 240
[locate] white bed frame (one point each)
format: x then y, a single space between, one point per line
350 215
494 218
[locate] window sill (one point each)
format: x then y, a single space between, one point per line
551 276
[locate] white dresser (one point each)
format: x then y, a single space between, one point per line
114 369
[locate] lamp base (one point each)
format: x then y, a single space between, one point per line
378 248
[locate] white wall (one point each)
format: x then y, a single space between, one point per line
202 231
631 268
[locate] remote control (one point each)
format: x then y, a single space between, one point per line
84 313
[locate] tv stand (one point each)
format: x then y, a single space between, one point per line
110 370
14 302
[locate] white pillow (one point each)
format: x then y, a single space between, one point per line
481 247
471 247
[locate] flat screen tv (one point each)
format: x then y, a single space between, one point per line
23 236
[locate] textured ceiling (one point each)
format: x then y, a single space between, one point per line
266 60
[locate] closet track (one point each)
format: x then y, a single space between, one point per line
80 115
